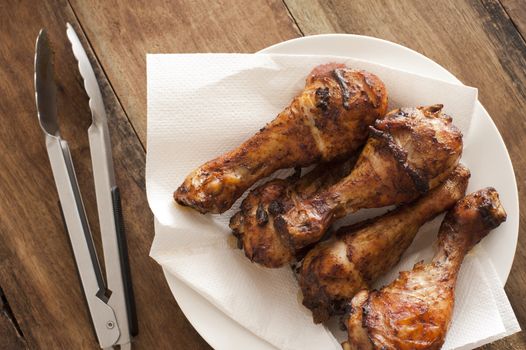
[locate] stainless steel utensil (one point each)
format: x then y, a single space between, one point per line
110 304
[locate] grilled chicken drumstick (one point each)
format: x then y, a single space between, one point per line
328 120
415 310
408 152
335 270
253 225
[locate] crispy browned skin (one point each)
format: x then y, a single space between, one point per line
408 152
328 120
358 255
415 310
253 225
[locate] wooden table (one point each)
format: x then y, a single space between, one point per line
480 41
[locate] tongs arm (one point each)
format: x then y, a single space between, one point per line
103 318
118 275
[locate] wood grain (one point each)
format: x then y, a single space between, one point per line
122 35
37 272
477 42
516 9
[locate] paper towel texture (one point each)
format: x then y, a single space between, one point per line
202 105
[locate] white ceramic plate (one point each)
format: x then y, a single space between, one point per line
490 154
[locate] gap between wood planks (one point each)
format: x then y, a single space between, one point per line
7 313
511 35
103 70
512 19
292 18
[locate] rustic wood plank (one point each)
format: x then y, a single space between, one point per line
516 9
478 43
11 339
121 36
37 271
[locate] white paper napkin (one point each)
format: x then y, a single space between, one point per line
201 105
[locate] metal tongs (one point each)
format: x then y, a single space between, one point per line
110 304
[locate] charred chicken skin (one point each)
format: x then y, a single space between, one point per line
253 225
415 310
328 120
409 151
357 255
